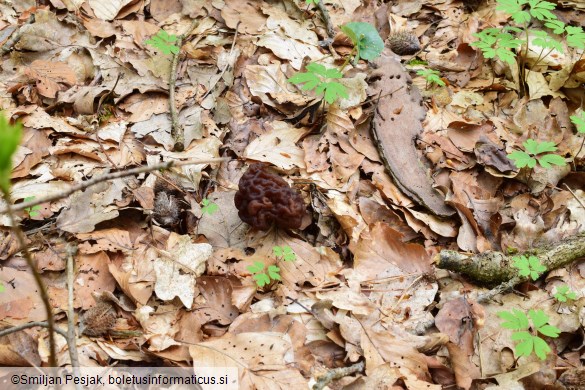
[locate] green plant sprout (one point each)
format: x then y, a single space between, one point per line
263 278
34 210
579 122
208 207
284 252
431 76
529 342
368 44
309 2
9 140
499 43
533 153
316 78
528 266
564 294
2 287
164 42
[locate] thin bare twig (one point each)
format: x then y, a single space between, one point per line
326 19
176 131
41 285
225 68
15 37
18 328
71 337
337 373
111 176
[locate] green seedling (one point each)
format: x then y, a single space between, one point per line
34 210
534 153
564 294
499 43
208 207
9 140
528 341
262 277
164 42
284 252
309 2
2 287
431 76
316 78
579 122
368 44
528 266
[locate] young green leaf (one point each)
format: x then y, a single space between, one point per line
365 38
285 252
575 37
431 76
2 288
164 42
274 272
579 121
563 294
514 8
522 159
315 78
9 140
209 207
528 266
515 320
542 39
540 9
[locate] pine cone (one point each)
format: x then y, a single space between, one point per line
403 42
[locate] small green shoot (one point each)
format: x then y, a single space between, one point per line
495 43
2 287
365 38
309 2
533 153
316 78
32 211
529 342
208 207
431 76
9 140
164 42
284 252
528 266
263 278
579 122
564 294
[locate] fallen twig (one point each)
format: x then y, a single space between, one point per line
39 281
13 40
337 373
111 176
176 131
494 268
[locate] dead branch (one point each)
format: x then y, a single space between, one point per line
39 281
18 328
111 176
15 37
176 131
337 373
494 268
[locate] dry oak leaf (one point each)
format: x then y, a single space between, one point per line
49 75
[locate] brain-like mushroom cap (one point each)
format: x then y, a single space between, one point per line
264 199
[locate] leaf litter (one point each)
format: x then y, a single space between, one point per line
92 95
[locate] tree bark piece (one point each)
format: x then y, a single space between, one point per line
396 124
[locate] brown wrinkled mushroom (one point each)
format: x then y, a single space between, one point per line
265 199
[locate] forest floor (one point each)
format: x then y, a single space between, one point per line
381 164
